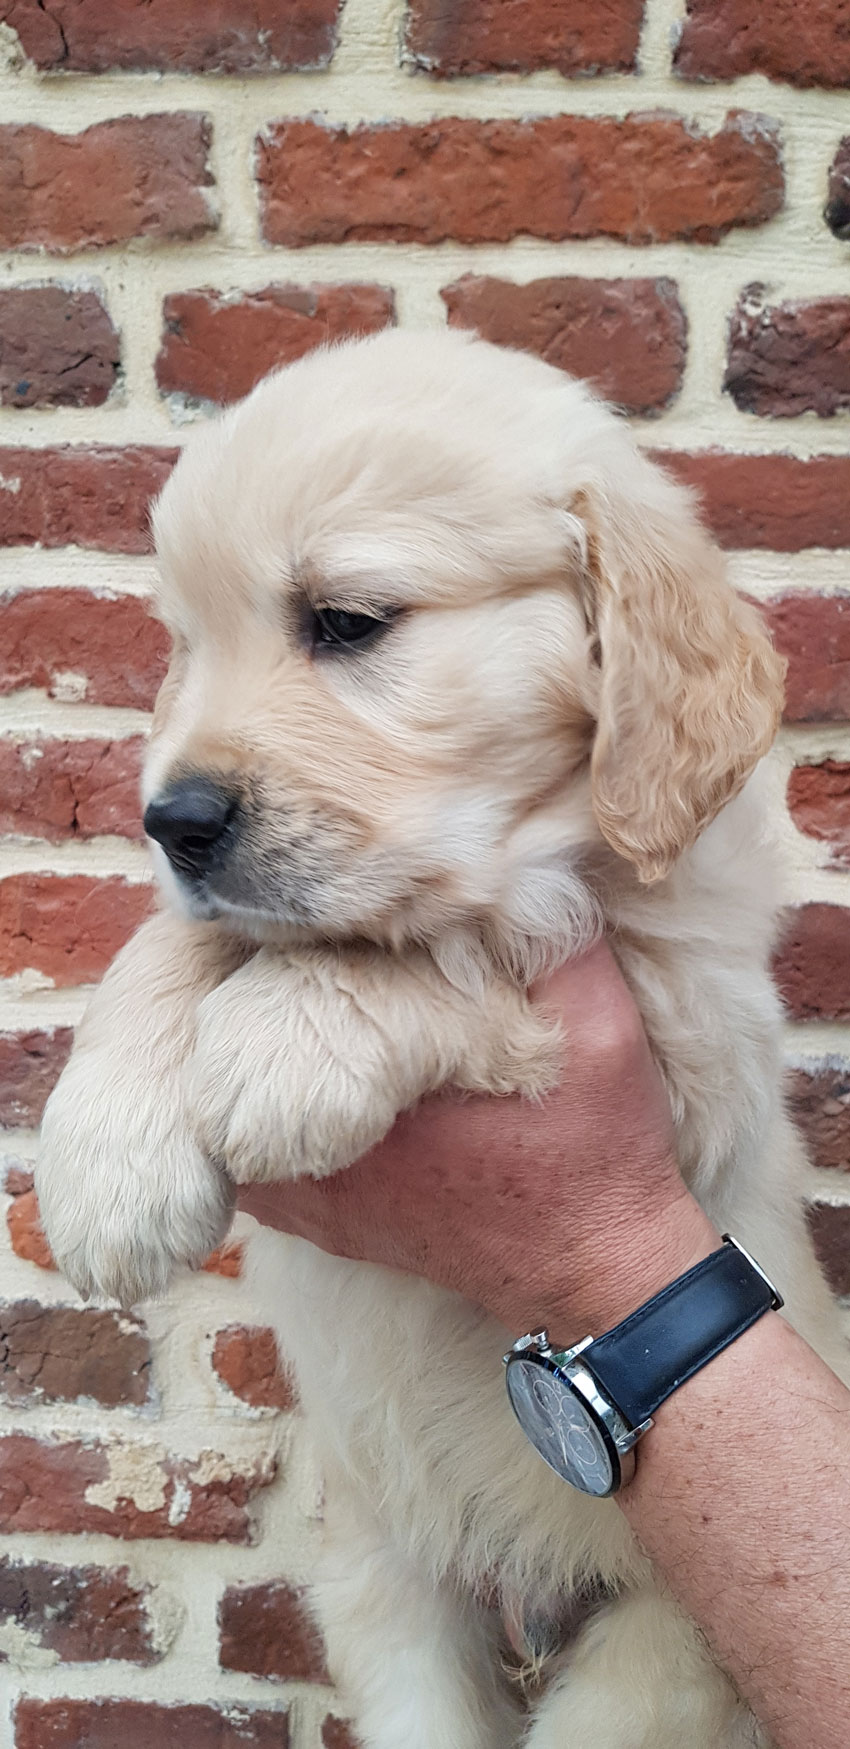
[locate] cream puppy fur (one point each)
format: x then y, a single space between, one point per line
468 681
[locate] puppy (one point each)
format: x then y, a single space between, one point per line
457 679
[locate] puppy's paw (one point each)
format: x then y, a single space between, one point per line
125 1193
270 1092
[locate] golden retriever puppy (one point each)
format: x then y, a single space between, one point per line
457 679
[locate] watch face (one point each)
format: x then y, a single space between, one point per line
559 1426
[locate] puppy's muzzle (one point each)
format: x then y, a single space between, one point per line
192 820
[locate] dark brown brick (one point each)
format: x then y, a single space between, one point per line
520 36
30 1065
830 1230
246 1359
813 633
135 176
339 1734
231 36
643 179
70 789
628 337
217 346
266 1630
785 359
82 1614
819 1098
804 45
775 501
142 1724
819 804
58 1354
813 962
837 209
68 927
111 645
127 1489
58 347
83 495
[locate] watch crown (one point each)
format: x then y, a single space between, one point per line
535 1339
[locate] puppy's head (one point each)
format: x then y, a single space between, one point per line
437 625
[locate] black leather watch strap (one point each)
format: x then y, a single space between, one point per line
642 1361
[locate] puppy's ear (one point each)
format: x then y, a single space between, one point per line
691 689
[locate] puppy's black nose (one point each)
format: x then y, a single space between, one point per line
189 821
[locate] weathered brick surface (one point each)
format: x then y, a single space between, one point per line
135 176
813 633
266 1631
492 36
78 1614
819 1098
126 1489
785 359
819 803
627 337
776 501
68 927
104 1724
216 346
830 1230
81 495
837 209
339 1734
23 1222
82 645
58 347
246 1359
70 789
30 1065
225 36
813 962
57 1354
645 179
805 45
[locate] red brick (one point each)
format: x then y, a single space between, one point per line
805 45
627 337
813 633
51 1485
246 1359
115 652
85 495
81 1614
216 346
30 1065
819 804
837 209
58 348
339 1734
830 1230
644 179
774 501
141 1724
58 1354
813 962
23 1219
70 789
68 927
819 1099
496 36
265 1630
135 176
230 36
785 359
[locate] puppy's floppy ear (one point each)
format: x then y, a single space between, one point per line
691 689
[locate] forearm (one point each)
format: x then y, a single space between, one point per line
742 1500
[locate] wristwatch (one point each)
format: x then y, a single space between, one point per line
585 1408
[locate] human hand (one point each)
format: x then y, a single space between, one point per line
568 1213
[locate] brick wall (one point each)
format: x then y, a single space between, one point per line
654 196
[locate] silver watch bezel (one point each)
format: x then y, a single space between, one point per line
619 1437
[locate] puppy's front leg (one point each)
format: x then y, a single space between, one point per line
303 1061
125 1191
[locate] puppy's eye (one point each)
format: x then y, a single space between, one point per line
336 627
